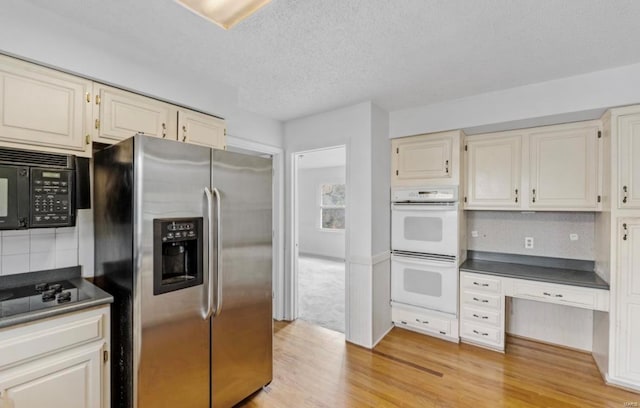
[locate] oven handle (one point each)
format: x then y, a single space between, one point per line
443 263
424 207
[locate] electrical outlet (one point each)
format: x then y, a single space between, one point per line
528 242
474 234
573 237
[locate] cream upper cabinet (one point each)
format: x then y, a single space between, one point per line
493 165
426 159
564 167
629 161
201 129
43 107
627 326
120 114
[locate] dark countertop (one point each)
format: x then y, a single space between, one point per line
89 296
563 276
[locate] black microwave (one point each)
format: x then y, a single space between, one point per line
41 190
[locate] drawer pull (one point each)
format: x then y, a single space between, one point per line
422 321
559 296
546 293
480 333
484 285
480 317
480 300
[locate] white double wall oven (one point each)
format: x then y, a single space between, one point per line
425 223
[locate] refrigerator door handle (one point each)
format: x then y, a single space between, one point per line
218 303
209 309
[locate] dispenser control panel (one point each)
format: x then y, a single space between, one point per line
178 231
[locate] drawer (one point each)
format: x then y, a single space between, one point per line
479 282
36 339
578 297
481 333
481 299
482 316
421 320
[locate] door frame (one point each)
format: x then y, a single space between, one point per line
295 232
277 216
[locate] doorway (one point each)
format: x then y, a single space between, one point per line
320 214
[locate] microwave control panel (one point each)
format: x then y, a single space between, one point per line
51 198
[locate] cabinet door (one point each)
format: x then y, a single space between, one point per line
71 379
43 107
424 157
628 159
201 129
123 114
564 168
493 172
628 301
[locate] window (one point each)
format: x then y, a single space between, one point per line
332 201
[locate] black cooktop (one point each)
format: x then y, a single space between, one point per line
38 296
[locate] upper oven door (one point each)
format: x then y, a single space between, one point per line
14 197
424 228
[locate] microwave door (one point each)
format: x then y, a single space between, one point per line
14 197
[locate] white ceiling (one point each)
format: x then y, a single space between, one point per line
316 159
294 58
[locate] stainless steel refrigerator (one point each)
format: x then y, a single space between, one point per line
183 243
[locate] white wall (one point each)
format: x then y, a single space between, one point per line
312 239
354 126
580 97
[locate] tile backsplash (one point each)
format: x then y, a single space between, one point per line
38 249
505 231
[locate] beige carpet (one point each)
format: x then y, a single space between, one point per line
321 292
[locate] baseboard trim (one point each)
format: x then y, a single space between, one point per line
328 258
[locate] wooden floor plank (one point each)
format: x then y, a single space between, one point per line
315 367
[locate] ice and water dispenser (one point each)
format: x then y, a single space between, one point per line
177 254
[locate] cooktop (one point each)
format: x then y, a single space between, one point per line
38 296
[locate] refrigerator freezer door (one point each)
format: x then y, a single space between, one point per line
172 336
242 325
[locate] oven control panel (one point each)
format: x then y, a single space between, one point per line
51 198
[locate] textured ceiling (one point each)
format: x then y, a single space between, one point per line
294 58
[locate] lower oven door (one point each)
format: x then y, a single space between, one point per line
425 282
425 228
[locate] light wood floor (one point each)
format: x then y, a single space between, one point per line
314 367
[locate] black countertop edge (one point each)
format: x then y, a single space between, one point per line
562 276
95 297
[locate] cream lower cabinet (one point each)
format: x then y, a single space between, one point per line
426 159
57 362
493 166
629 165
201 129
627 303
121 114
43 107
564 167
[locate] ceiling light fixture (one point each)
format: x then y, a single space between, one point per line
225 13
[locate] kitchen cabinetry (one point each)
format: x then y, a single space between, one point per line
627 329
120 115
551 168
482 303
493 171
430 159
43 107
629 165
60 361
204 130
564 167
481 310
442 325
